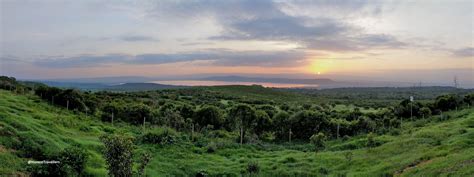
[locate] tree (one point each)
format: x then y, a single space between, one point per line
209 115
447 102
118 154
72 99
245 116
281 124
305 122
425 111
263 122
469 99
269 109
407 109
318 140
136 113
112 110
186 111
370 140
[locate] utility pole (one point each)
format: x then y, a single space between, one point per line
112 118
411 107
289 135
67 105
241 134
192 132
456 84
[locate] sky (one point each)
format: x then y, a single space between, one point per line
406 40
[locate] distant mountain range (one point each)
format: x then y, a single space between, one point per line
269 80
116 87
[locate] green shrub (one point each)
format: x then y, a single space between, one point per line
161 136
318 140
144 160
253 167
85 128
323 171
118 154
371 140
75 158
348 156
71 162
211 148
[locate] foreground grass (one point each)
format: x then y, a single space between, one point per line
432 147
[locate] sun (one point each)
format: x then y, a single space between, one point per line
319 67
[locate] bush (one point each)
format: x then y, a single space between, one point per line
253 168
348 155
118 154
74 158
71 163
162 136
370 140
211 148
323 171
318 140
144 160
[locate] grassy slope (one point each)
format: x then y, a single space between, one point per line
423 148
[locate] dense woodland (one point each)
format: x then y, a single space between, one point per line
282 117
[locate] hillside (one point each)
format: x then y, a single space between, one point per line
436 146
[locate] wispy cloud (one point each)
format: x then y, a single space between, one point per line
216 57
464 52
135 38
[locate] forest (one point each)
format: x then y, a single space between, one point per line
134 133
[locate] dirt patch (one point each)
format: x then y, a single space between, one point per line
413 165
3 149
459 165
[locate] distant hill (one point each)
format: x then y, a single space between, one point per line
115 87
141 87
270 80
103 80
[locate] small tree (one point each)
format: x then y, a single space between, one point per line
118 154
318 140
253 167
348 155
370 140
245 116
145 159
424 111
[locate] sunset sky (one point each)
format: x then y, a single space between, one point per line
426 40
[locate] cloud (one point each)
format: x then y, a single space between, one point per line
286 21
135 38
464 52
220 57
80 61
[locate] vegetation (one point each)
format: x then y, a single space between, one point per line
206 131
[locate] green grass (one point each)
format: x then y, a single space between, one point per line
431 147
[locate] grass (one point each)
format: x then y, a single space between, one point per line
430 147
